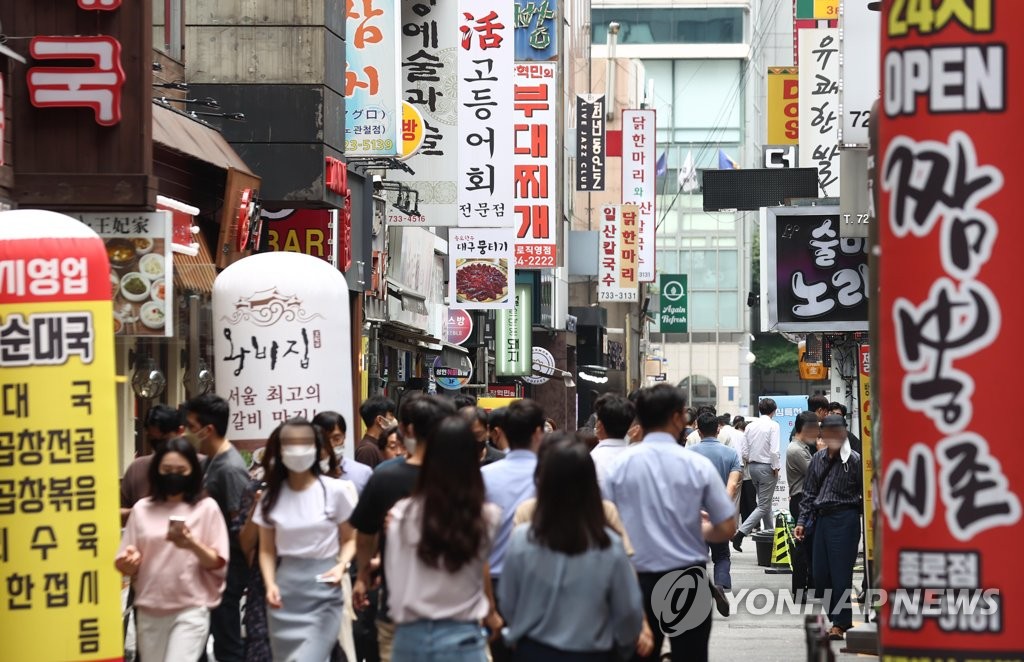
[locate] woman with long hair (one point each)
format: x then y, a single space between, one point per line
568 591
436 555
175 549
302 535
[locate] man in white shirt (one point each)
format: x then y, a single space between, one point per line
615 415
760 451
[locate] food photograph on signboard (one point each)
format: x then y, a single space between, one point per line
481 280
138 284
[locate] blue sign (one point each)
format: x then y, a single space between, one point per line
790 406
536 30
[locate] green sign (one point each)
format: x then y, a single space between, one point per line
822 10
674 314
514 342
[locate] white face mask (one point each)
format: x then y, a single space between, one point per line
339 451
325 465
298 458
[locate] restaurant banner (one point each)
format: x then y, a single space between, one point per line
373 102
429 40
639 186
513 347
536 30
458 327
485 91
141 276
617 271
950 325
811 278
481 269
590 142
783 108
281 318
867 459
60 596
536 176
819 106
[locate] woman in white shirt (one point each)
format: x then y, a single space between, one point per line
435 560
305 544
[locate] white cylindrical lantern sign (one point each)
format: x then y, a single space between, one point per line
282 342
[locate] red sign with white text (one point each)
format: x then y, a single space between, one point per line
535 119
97 86
950 316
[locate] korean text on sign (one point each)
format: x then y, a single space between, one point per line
535 96
819 106
639 186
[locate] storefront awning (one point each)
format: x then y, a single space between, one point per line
180 133
195 273
408 338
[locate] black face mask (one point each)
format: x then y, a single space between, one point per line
172 484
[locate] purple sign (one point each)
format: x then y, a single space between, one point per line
459 327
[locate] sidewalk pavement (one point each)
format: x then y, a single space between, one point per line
772 637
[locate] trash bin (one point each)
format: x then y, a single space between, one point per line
765 541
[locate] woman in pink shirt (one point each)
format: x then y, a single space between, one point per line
175 549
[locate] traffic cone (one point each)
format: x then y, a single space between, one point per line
781 564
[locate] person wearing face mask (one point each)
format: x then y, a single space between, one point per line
832 500
162 423
333 429
175 549
477 419
801 449
378 413
305 544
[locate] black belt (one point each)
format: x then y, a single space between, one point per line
830 510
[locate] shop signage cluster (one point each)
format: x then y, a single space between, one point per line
429 41
590 142
373 110
819 106
812 278
485 103
536 179
617 271
59 526
950 318
639 186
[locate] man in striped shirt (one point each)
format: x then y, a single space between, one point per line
832 503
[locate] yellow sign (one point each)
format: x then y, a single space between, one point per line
826 10
783 106
494 403
865 438
413 130
60 596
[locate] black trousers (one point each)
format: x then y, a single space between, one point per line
748 499
689 646
226 619
803 576
528 650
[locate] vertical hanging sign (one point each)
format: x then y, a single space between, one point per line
638 182
783 110
536 181
674 316
819 106
950 316
514 343
59 525
618 243
590 142
485 107
373 104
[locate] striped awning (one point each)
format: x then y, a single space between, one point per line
195 274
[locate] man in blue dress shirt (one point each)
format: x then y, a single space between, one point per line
675 503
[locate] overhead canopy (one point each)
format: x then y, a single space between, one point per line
180 133
195 273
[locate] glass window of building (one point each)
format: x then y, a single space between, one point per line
670 25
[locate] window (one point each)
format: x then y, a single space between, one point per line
670 25
169 28
700 390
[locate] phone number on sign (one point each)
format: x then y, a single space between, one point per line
535 261
368 145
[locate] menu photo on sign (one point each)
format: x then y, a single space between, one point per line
141 282
481 268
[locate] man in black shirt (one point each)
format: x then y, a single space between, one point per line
418 415
839 409
832 501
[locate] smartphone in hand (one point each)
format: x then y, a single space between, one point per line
175 526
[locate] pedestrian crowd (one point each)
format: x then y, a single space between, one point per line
459 534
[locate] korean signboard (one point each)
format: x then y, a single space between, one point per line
617 250
281 343
867 460
638 182
455 376
674 314
859 70
429 41
373 108
811 278
536 178
789 407
949 131
59 526
513 347
308 231
141 277
590 142
458 327
783 106
481 269
819 107
536 30
485 108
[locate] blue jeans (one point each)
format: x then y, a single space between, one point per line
836 536
439 641
723 563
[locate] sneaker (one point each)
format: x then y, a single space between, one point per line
836 633
721 602
737 541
